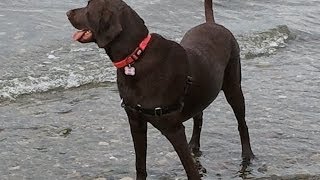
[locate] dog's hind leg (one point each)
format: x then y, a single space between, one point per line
194 143
233 93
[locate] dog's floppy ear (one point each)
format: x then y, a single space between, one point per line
109 28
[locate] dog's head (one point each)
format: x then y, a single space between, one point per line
98 22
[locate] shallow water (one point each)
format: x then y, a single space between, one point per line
60 131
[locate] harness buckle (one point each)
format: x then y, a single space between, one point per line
138 108
158 111
189 80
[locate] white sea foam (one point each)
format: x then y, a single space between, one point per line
64 73
51 56
10 89
264 43
81 49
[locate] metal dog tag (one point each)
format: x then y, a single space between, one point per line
129 71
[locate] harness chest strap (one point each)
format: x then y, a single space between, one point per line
159 111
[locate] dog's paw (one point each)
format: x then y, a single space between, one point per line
245 169
202 171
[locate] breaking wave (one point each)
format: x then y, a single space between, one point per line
89 67
10 89
264 43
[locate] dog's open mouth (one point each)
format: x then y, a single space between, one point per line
83 36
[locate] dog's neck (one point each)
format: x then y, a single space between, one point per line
133 32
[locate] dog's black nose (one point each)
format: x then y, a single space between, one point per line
69 13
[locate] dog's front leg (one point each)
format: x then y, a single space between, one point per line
176 135
138 129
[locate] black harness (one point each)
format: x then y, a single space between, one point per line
161 110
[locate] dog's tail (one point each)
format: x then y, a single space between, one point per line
208 11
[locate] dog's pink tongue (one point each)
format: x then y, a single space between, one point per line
78 35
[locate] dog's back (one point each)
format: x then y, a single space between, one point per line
210 40
210 48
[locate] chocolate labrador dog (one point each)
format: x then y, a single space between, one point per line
163 82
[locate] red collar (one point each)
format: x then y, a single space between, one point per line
135 55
